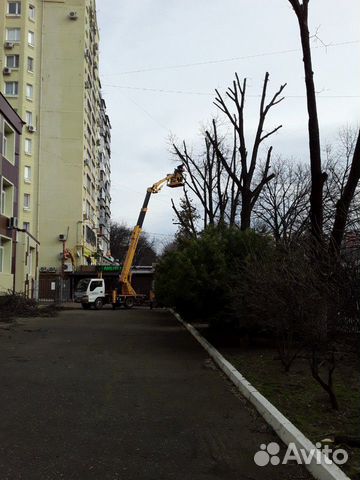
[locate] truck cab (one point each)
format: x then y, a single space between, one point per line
91 292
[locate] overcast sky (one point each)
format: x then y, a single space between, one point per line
150 49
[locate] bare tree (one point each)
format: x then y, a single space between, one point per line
186 216
244 178
282 208
120 235
345 200
338 160
215 192
317 176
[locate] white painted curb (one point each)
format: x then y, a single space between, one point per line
282 426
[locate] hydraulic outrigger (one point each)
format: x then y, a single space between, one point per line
127 295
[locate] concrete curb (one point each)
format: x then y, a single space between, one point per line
287 432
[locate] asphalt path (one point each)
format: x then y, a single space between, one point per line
125 394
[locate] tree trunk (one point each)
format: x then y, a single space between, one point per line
317 176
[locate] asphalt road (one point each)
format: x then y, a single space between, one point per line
124 395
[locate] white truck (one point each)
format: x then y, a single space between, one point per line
95 292
91 292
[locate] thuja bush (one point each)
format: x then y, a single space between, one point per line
197 276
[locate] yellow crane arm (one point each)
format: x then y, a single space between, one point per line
172 180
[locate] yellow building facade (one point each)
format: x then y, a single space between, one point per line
51 78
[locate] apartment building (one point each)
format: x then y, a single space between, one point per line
104 186
51 78
15 243
10 131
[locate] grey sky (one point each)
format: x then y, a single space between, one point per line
143 34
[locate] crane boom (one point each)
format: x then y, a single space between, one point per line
173 180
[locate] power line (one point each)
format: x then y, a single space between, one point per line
160 90
231 59
154 119
184 92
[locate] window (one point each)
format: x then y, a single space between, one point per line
8 143
27 174
32 12
30 260
26 201
28 146
14 8
7 198
11 89
12 61
13 34
31 38
29 91
2 200
88 183
29 118
95 284
30 64
5 255
26 226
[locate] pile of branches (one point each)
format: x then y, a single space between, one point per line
17 305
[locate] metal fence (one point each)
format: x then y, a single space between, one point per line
54 289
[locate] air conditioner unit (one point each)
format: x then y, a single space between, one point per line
13 222
62 237
73 15
9 45
87 84
68 267
31 128
86 162
6 71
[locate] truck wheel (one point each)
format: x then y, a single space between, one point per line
85 306
114 306
129 302
98 304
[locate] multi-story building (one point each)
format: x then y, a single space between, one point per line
15 243
51 77
104 186
10 131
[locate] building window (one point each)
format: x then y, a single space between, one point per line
7 198
26 226
88 183
27 174
26 201
13 34
14 8
29 118
5 254
8 143
11 89
28 146
30 260
29 91
12 61
32 12
31 38
30 64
